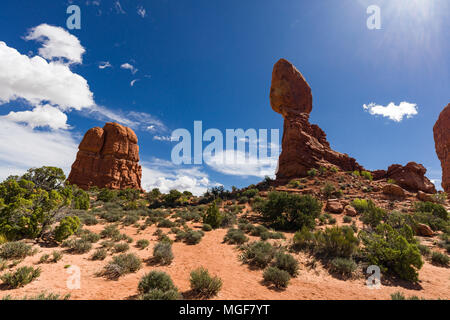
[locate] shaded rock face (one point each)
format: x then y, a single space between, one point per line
304 145
441 131
107 158
410 177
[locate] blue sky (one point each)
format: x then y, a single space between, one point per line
212 61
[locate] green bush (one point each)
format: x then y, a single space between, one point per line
81 200
258 254
373 215
213 217
436 209
20 277
336 242
424 250
360 205
162 253
122 264
347 219
67 227
157 285
15 250
142 244
106 195
99 254
312 172
390 250
121 247
290 211
165 223
206 227
276 277
303 239
343 266
193 237
110 231
235 236
367 175
91 237
440 258
80 246
203 284
286 262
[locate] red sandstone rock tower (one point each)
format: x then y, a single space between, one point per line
441 132
304 145
108 158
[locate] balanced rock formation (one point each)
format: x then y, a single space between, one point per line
107 158
410 177
441 131
304 145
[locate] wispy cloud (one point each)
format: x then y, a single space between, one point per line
133 82
393 112
118 7
104 65
130 67
141 11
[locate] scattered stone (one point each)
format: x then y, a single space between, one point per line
423 230
350 211
334 206
422 196
393 190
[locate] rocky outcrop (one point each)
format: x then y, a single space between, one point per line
393 190
410 177
334 206
423 230
304 145
108 158
441 131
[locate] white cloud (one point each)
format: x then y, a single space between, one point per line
165 176
22 148
118 7
40 116
104 65
162 138
392 111
238 163
130 67
141 11
37 81
133 82
57 43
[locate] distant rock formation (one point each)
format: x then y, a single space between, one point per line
441 132
304 145
410 177
107 158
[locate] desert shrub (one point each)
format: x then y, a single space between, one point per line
398 296
130 219
250 193
336 242
165 223
121 247
440 197
431 220
206 227
390 250
99 254
235 236
436 209
329 191
286 262
122 264
110 231
276 277
88 219
44 258
228 219
162 253
258 254
203 284
91 237
213 217
373 215
424 250
360 205
81 200
3 238
142 244
129 194
343 266
193 237
303 239
367 175
290 211
312 172
243 200
56 256
20 277
80 246
439 258
106 195
15 250
347 219
157 285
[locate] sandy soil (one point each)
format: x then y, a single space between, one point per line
239 282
